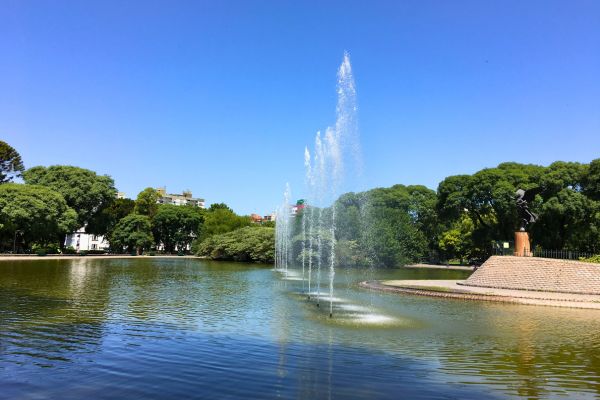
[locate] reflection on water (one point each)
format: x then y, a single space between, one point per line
157 328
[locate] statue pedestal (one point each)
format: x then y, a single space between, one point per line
522 247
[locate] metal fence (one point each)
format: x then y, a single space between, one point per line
544 253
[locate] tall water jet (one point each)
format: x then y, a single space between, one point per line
334 155
282 233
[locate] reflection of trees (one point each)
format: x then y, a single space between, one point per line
532 350
179 291
51 309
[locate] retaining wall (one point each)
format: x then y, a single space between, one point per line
533 273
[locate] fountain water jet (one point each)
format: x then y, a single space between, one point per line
325 174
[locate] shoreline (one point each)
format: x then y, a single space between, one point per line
25 257
452 289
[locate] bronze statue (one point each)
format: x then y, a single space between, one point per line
523 198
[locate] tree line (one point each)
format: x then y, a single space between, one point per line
469 215
55 201
462 220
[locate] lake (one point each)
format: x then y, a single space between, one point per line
157 328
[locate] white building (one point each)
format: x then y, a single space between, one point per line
82 241
179 199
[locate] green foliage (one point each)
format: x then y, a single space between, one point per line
147 202
219 206
591 180
176 226
569 214
456 242
84 191
384 226
594 259
11 164
222 220
250 244
132 233
37 214
103 222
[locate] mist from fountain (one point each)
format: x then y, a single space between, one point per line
334 157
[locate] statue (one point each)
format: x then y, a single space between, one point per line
523 198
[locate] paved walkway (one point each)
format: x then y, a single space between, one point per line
438 266
451 289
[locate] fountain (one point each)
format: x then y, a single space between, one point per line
334 156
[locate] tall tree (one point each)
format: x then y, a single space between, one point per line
37 214
103 222
176 226
84 191
147 202
132 233
591 180
11 165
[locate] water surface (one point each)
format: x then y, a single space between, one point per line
184 328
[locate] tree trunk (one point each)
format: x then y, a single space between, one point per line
138 250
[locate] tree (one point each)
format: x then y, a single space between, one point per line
103 222
147 202
38 214
132 233
249 244
11 165
591 180
456 242
176 226
84 191
222 220
219 206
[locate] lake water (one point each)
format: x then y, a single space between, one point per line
183 328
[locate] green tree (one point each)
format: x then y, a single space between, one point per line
591 180
456 241
103 222
176 226
11 164
84 191
38 214
133 232
249 244
219 206
147 202
222 220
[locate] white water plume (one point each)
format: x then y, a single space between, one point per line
335 156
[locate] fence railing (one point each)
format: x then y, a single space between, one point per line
545 253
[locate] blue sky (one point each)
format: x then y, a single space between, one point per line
221 97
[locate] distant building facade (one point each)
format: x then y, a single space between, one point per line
185 198
82 241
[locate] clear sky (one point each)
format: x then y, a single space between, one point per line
221 97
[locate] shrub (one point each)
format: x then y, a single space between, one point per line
593 259
69 250
249 244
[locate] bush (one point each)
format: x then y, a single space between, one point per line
40 252
249 244
69 250
594 259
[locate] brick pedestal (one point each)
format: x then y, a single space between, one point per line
522 246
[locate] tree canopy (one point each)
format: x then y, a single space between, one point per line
38 214
147 202
84 191
133 232
176 226
11 164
